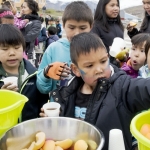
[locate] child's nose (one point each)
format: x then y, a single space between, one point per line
76 32
98 70
137 54
11 52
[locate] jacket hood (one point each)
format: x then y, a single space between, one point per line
29 67
117 72
30 17
65 42
54 37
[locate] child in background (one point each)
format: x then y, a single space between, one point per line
51 22
144 71
47 17
6 16
59 28
12 63
77 18
137 55
19 23
101 94
52 37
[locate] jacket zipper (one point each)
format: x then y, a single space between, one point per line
22 86
26 80
91 101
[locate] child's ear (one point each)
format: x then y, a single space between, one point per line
75 70
91 26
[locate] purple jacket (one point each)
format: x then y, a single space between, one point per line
129 70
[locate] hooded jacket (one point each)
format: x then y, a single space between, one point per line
51 39
113 103
28 88
30 33
58 51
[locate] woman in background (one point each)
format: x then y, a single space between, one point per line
31 31
107 23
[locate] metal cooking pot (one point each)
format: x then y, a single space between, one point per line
56 128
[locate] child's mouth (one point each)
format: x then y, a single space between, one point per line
12 61
134 62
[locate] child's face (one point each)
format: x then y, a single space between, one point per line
73 27
148 58
92 66
51 22
11 56
138 56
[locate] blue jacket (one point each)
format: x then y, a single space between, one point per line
51 39
42 36
59 29
58 51
36 100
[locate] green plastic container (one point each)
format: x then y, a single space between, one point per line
11 105
136 124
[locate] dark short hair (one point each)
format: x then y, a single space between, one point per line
139 39
78 11
51 19
2 10
11 35
147 47
33 5
83 43
52 30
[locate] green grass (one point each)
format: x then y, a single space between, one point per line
52 12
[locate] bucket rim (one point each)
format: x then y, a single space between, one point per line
13 106
141 138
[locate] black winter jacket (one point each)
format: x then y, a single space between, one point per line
113 103
108 37
30 33
36 100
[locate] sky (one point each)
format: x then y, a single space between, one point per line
123 3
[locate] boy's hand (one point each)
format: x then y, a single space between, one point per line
9 86
57 70
65 73
42 114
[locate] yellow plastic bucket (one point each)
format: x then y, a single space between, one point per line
11 105
135 126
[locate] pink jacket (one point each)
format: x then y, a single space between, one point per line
19 23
